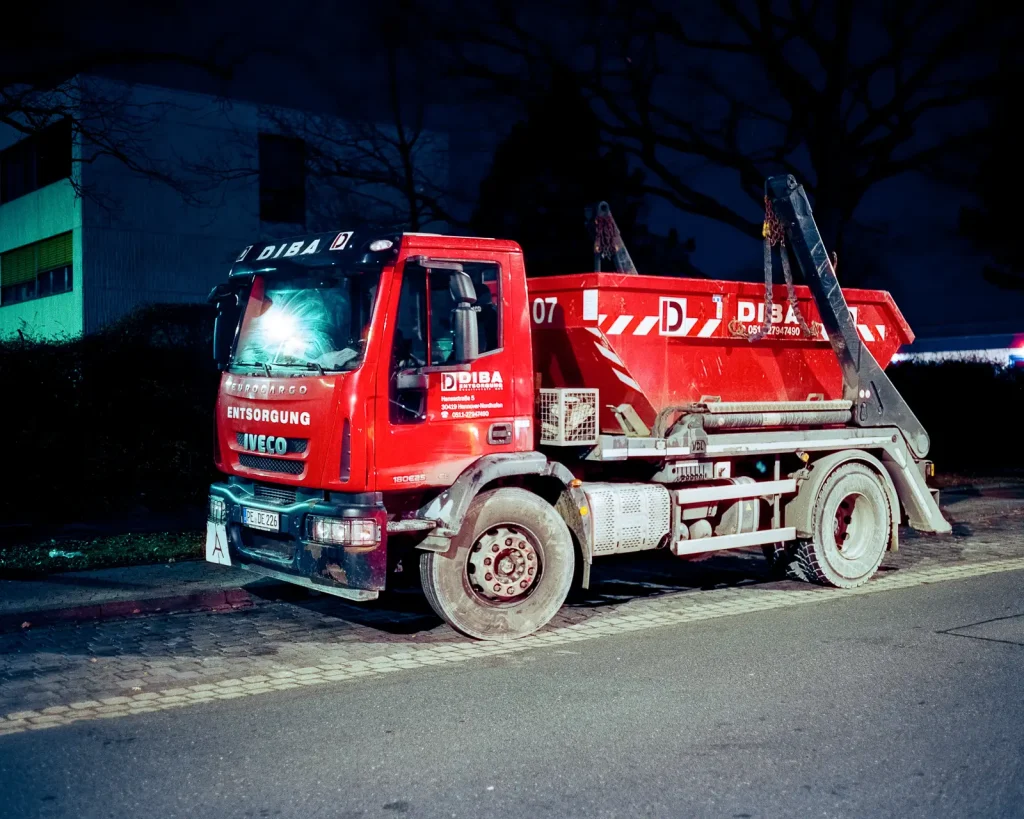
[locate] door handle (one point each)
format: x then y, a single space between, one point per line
499 433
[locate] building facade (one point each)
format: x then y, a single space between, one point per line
89 232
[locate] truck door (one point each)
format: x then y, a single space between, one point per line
441 412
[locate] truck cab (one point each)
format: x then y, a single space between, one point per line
360 376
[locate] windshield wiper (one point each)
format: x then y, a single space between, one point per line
314 365
261 364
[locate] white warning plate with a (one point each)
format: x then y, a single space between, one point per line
217 543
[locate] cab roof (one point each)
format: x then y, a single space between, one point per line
347 249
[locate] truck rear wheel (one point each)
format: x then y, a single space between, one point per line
852 523
511 571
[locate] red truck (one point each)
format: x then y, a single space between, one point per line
416 396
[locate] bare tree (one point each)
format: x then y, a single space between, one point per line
843 95
54 71
107 122
390 170
988 222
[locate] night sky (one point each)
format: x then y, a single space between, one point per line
330 56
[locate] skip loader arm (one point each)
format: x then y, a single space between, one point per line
876 401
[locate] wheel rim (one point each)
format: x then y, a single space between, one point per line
855 525
504 564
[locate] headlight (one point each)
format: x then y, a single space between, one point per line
344 531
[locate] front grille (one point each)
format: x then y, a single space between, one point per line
280 495
265 464
296 445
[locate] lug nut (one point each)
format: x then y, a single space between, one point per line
487 561
494 548
497 588
508 541
530 571
511 590
488 576
529 555
524 584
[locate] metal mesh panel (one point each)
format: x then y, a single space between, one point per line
265 464
297 445
627 517
568 417
282 495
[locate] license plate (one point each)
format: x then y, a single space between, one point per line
259 519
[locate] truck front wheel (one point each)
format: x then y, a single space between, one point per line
511 571
852 523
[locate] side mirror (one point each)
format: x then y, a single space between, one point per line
467 341
221 350
225 325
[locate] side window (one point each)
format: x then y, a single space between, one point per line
487 280
407 394
409 348
486 284
442 323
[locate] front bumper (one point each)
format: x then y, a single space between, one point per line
349 571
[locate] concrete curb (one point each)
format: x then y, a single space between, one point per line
213 600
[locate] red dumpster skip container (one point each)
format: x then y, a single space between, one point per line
655 342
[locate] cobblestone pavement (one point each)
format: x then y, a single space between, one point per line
116 667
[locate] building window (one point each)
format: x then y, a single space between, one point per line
36 270
282 179
35 162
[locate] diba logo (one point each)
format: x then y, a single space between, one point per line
484 380
672 319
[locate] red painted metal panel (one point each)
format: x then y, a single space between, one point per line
655 342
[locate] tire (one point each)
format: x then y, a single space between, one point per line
515 530
782 562
852 524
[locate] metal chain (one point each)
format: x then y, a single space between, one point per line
606 237
806 331
774 234
772 230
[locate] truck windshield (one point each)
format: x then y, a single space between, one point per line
309 322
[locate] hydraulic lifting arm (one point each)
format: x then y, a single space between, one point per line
876 401
607 240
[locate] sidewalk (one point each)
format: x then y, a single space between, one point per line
74 596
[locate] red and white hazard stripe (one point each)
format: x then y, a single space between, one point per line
644 325
614 362
627 324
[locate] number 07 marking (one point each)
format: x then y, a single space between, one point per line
542 315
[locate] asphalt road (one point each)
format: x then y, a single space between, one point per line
901 703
